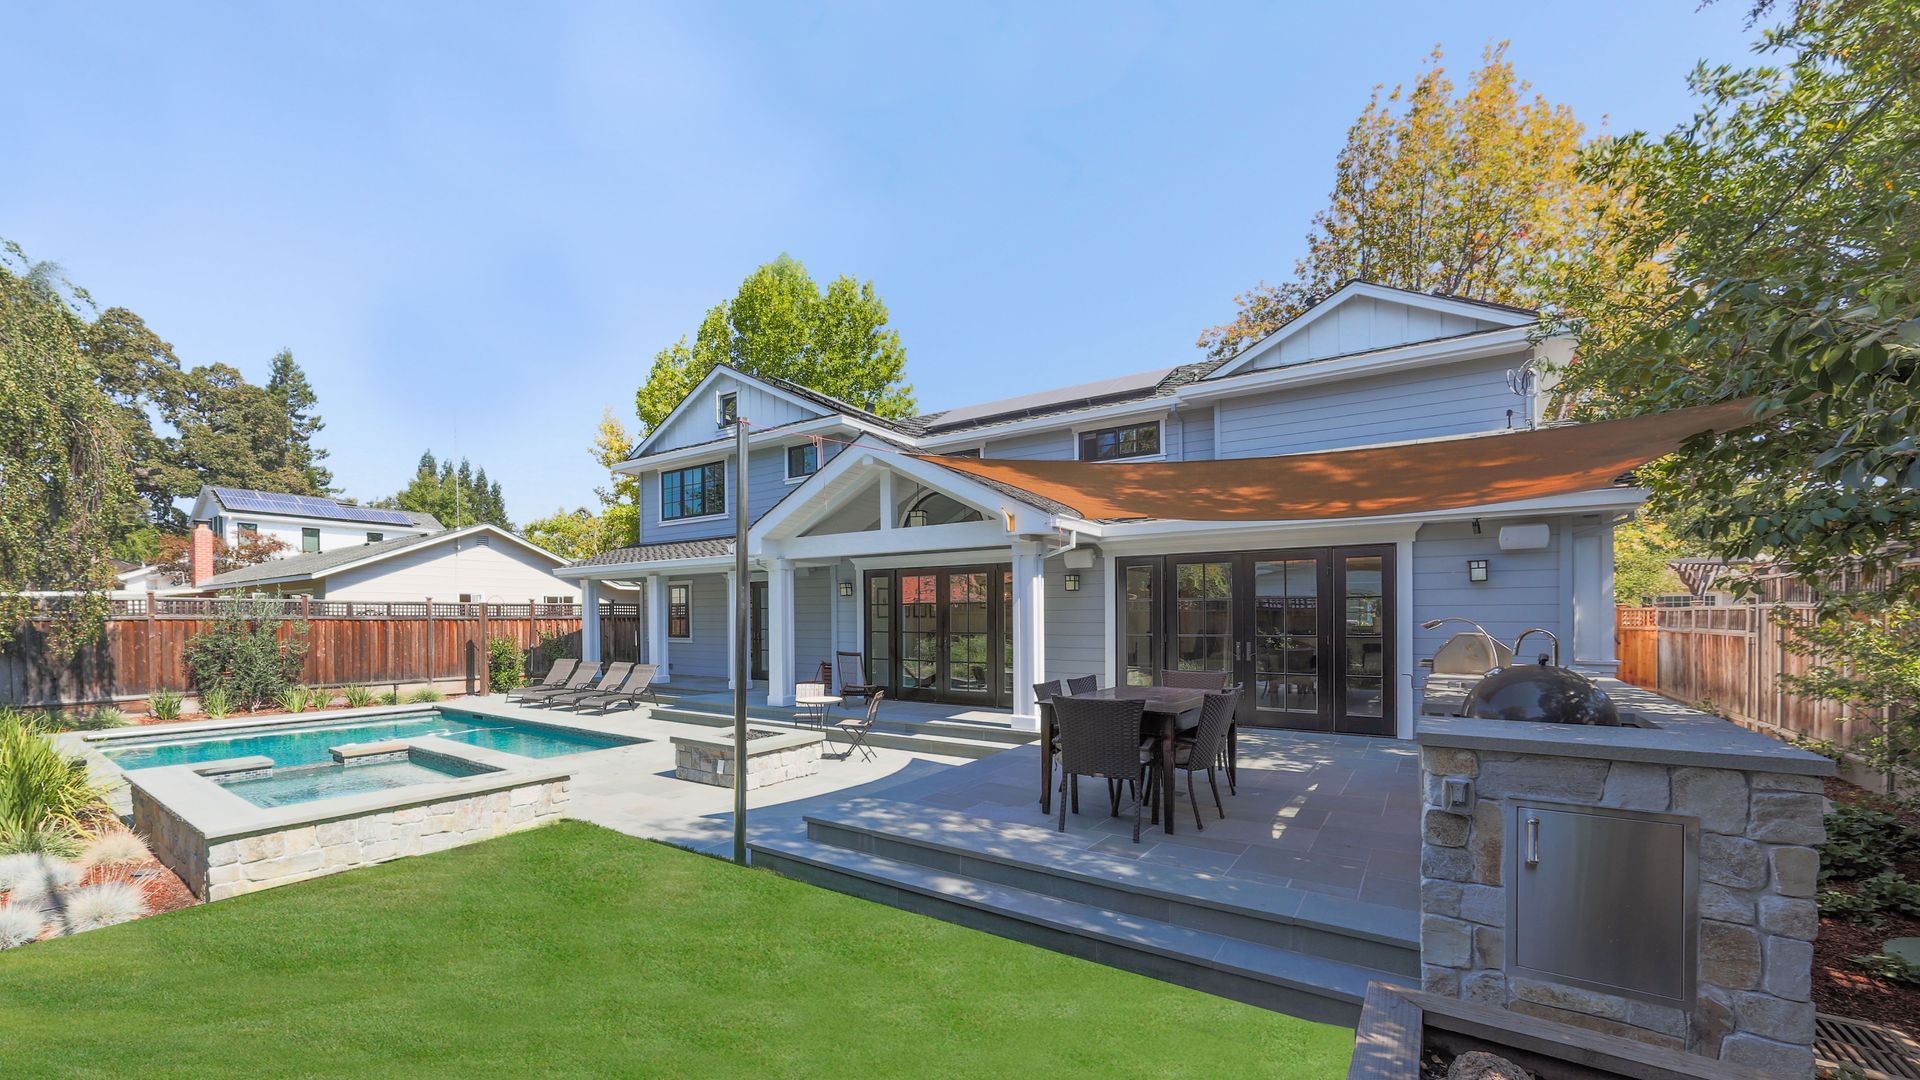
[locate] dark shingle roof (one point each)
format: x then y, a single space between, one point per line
669 552
1173 380
310 565
905 425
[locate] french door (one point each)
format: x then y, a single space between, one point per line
939 634
1307 632
757 629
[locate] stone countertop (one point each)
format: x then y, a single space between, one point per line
1678 735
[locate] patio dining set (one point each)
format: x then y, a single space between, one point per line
1136 738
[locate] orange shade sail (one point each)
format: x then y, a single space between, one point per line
1375 481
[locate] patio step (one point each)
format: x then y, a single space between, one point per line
1300 984
947 737
1036 858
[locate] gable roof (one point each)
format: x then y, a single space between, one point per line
1063 402
312 567
242 501
1502 315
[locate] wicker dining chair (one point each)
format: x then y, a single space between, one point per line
1202 751
1101 738
1215 681
1083 684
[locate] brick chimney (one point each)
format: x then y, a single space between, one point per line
200 554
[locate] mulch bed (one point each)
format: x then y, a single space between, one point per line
1840 987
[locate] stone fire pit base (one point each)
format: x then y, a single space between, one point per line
772 757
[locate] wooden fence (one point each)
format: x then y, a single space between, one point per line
371 644
1729 658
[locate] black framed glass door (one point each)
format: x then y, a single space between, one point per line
757 629
940 634
1308 632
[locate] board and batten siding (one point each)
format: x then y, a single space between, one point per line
695 423
1363 323
499 570
1523 589
1449 399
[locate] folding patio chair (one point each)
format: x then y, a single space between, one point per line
581 679
855 728
554 679
853 676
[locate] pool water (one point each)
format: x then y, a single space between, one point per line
309 782
309 745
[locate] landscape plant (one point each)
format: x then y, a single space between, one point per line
43 792
424 695
165 704
292 699
357 697
106 903
506 665
113 855
246 655
1865 655
21 923
215 703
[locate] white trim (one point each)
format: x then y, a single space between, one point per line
726 493
617 571
678 583
1410 693
836 422
1381 361
1159 422
1101 416
914 560
794 514
1386 293
786 460
733 373
424 540
720 421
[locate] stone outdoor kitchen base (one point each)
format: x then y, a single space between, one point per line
1738 819
223 846
772 757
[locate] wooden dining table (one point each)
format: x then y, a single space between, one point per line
1164 706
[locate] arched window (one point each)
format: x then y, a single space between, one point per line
933 508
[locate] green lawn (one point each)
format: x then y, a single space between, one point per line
576 950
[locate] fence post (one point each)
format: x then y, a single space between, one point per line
390 626
486 650
156 668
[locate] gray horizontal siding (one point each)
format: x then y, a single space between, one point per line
1196 434
1523 589
1055 444
1076 623
767 485
812 626
706 652
1454 399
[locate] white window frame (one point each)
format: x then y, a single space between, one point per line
720 407
1159 420
786 458
672 585
316 539
660 497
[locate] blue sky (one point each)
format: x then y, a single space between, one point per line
475 224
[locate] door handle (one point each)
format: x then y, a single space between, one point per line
1533 841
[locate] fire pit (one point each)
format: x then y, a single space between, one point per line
773 757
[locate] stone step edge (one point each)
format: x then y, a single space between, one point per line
1334 979
768 712
1409 939
903 729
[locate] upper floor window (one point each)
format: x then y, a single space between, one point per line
972 452
374 538
1128 441
700 491
309 540
247 528
726 409
802 461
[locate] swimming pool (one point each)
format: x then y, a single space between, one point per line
292 747
305 783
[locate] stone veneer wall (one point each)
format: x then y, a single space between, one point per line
706 764
239 865
1758 871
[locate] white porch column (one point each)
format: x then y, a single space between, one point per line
888 511
657 626
733 622
589 621
779 632
1029 631
1592 647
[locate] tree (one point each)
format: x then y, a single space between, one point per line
288 385
231 433
1476 196
1787 216
1872 662
572 534
780 324
457 496
63 449
1642 548
175 556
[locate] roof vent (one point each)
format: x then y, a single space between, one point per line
483 541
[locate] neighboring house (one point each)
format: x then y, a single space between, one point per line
966 591
304 523
480 563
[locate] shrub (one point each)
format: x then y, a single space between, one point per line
319 697
106 716
165 704
27 876
21 924
115 851
40 785
1848 906
358 697
1891 892
243 655
105 904
215 704
1890 968
292 699
55 838
506 665
1863 840
391 697
424 695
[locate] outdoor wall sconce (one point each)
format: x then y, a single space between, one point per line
1073 582
1476 569
916 518
846 588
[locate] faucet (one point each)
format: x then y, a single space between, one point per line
1529 632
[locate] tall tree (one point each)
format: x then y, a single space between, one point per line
580 533
1788 216
779 323
1476 195
456 495
288 385
231 433
62 459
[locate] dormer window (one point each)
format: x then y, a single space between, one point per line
726 409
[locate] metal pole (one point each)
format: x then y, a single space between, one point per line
742 590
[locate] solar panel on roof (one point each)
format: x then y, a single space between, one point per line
1120 384
273 502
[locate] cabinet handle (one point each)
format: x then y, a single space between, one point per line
1533 841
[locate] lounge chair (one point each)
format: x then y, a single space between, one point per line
639 683
555 678
611 680
853 676
581 679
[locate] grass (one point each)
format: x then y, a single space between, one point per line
574 950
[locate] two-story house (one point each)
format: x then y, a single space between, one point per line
305 524
964 590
